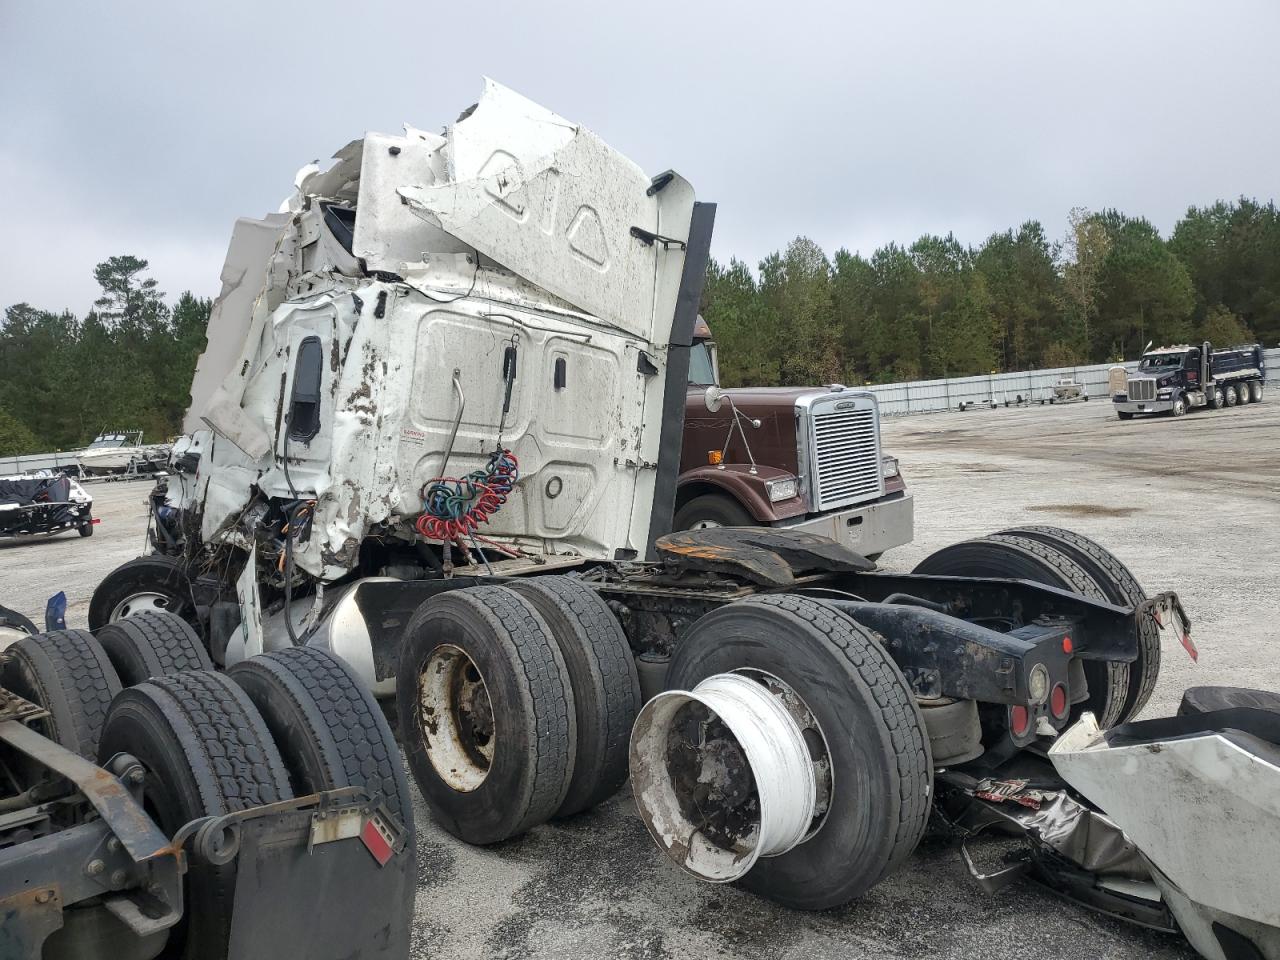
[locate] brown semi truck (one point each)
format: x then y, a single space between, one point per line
803 458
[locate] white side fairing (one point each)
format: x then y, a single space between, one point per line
1204 810
416 256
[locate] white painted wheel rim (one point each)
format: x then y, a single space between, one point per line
137 603
774 804
705 525
455 718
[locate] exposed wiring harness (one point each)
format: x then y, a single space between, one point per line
454 507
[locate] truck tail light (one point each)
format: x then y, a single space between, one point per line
1058 704
1019 720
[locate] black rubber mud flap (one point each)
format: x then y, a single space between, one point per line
487 715
882 772
606 687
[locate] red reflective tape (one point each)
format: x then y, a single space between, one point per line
1190 647
95 521
376 841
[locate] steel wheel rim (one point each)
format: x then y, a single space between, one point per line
705 525
455 718
141 602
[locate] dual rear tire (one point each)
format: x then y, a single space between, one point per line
282 725
515 705
1069 561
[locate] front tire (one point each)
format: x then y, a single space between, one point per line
882 772
146 583
1179 406
711 510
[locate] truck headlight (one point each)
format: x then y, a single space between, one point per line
1164 394
889 466
783 489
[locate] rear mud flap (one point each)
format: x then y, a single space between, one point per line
326 877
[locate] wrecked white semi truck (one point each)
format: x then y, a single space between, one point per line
437 431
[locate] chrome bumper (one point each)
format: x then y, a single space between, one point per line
868 529
1144 406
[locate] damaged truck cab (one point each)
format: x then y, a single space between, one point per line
438 431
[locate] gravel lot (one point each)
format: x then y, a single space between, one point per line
1192 505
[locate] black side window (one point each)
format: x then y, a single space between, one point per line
304 404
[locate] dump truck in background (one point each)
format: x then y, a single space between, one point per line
1174 380
437 431
795 458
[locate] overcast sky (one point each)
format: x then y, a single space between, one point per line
142 128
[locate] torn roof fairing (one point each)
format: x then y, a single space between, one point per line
244 274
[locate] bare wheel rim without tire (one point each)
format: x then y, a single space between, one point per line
137 603
456 718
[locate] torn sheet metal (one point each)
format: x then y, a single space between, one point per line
414 255
1200 796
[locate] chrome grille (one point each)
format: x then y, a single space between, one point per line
1142 389
845 456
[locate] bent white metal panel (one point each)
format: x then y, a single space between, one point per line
1203 809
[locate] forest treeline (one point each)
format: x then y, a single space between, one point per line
1019 301
936 308
126 365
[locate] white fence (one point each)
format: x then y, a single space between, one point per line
934 396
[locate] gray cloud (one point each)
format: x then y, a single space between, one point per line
148 127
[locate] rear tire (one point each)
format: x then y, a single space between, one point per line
85 529
1215 399
207 752
1001 555
1121 587
152 644
1245 394
66 672
882 772
330 730
606 687
1229 396
487 716
1256 389
1197 700
711 510
147 583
